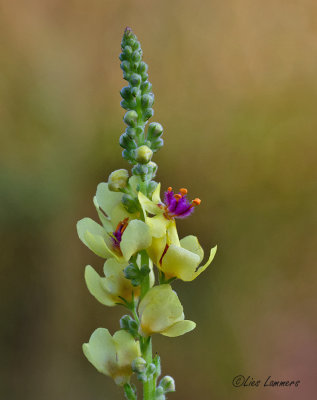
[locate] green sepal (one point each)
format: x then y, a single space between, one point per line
130 391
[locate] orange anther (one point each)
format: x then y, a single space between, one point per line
183 191
169 189
177 196
196 201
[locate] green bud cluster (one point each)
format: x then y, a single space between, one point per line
138 100
136 274
129 324
145 371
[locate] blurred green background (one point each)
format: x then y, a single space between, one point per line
236 90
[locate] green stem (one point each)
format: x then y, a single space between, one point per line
148 386
145 286
146 343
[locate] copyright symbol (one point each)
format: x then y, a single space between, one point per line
238 380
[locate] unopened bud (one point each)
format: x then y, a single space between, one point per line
155 130
147 100
168 384
150 369
128 50
118 180
124 322
131 118
135 79
143 154
152 166
138 365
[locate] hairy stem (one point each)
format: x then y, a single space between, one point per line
149 385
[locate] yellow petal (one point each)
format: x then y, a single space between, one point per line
191 243
107 199
179 328
180 263
127 348
94 237
101 351
158 225
148 205
119 213
95 287
136 237
156 249
156 195
87 224
105 220
116 283
172 235
98 245
211 257
159 309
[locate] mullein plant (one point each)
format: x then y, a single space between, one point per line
138 231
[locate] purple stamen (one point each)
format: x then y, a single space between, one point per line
116 236
177 207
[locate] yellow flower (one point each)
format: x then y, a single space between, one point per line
112 355
121 235
176 258
161 312
108 290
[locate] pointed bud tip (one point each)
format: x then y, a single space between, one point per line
128 31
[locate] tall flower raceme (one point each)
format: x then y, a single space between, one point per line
137 230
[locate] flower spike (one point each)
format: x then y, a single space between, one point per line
137 231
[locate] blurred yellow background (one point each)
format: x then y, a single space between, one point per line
236 89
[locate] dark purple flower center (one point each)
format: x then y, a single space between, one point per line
116 236
177 205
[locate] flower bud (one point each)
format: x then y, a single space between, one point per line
151 186
129 203
146 87
157 144
128 50
140 169
118 180
125 65
152 166
138 365
131 132
159 391
150 369
126 142
168 384
143 154
135 79
143 67
148 113
155 130
126 93
131 272
128 155
136 46
135 91
124 322
124 104
136 56
147 100
131 118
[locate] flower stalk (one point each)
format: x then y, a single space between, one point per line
137 233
